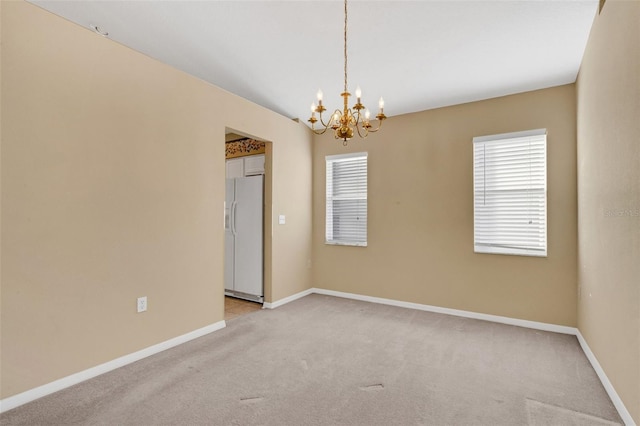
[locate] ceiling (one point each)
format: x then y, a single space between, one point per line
417 54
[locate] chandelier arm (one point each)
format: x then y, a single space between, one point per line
320 132
327 125
322 120
360 132
356 117
353 120
377 128
359 124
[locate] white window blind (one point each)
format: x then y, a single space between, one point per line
510 193
346 216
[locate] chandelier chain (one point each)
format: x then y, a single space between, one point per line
345 45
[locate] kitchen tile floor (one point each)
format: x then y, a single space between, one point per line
236 307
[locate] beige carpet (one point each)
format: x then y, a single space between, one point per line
328 361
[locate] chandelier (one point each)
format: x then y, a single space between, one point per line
349 121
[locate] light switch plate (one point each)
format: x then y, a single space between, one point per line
281 219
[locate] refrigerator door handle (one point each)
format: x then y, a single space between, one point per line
234 207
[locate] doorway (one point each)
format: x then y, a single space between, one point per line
247 260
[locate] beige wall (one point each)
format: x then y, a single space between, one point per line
113 188
608 92
420 229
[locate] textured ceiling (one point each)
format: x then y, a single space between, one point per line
417 54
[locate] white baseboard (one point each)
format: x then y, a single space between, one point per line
615 398
278 303
35 393
456 312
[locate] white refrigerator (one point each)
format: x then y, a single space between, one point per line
243 262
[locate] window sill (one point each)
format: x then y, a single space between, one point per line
510 252
345 243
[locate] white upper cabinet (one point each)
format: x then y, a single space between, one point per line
254 165
235 168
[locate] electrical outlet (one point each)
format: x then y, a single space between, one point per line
142 304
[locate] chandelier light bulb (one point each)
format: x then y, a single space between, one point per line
319 96
381 103
367 114
358 93
313 107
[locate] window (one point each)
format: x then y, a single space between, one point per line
510 193
346 219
